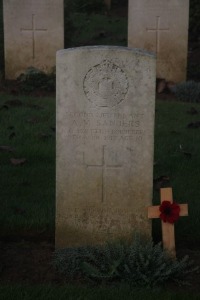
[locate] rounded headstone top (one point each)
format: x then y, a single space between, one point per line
107 48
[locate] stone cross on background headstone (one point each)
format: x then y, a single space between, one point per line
157 29
168 235
105 139
33 32
161 26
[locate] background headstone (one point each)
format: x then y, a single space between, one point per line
161 26
33 32
105 137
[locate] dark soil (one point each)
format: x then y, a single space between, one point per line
28 259
28 262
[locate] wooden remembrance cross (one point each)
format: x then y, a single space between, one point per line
168 236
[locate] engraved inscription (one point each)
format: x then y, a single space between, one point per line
119 127
105 84
33 30
157 30
104 166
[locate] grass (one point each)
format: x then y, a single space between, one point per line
177 150
98 30
72 292
28 190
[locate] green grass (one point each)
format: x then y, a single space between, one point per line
28 190
180 165
72 292
98 30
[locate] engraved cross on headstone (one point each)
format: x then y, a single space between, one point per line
104 166
157 30
33 30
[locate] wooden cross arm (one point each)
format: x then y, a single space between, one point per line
154 212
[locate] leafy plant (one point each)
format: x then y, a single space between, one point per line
99 263
140 263
148 265
104 263
34 78
187 91
68 261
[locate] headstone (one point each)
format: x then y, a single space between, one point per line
33 32
161 26
167 228
105 137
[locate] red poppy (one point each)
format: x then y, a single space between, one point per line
169 211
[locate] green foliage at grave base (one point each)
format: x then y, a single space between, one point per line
139 263
33 79
188 91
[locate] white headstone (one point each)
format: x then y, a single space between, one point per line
33 32
161 26
105 138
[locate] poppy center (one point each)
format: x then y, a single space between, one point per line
167 211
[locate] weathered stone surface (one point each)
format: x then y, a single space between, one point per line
161 26
105 135
33 32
